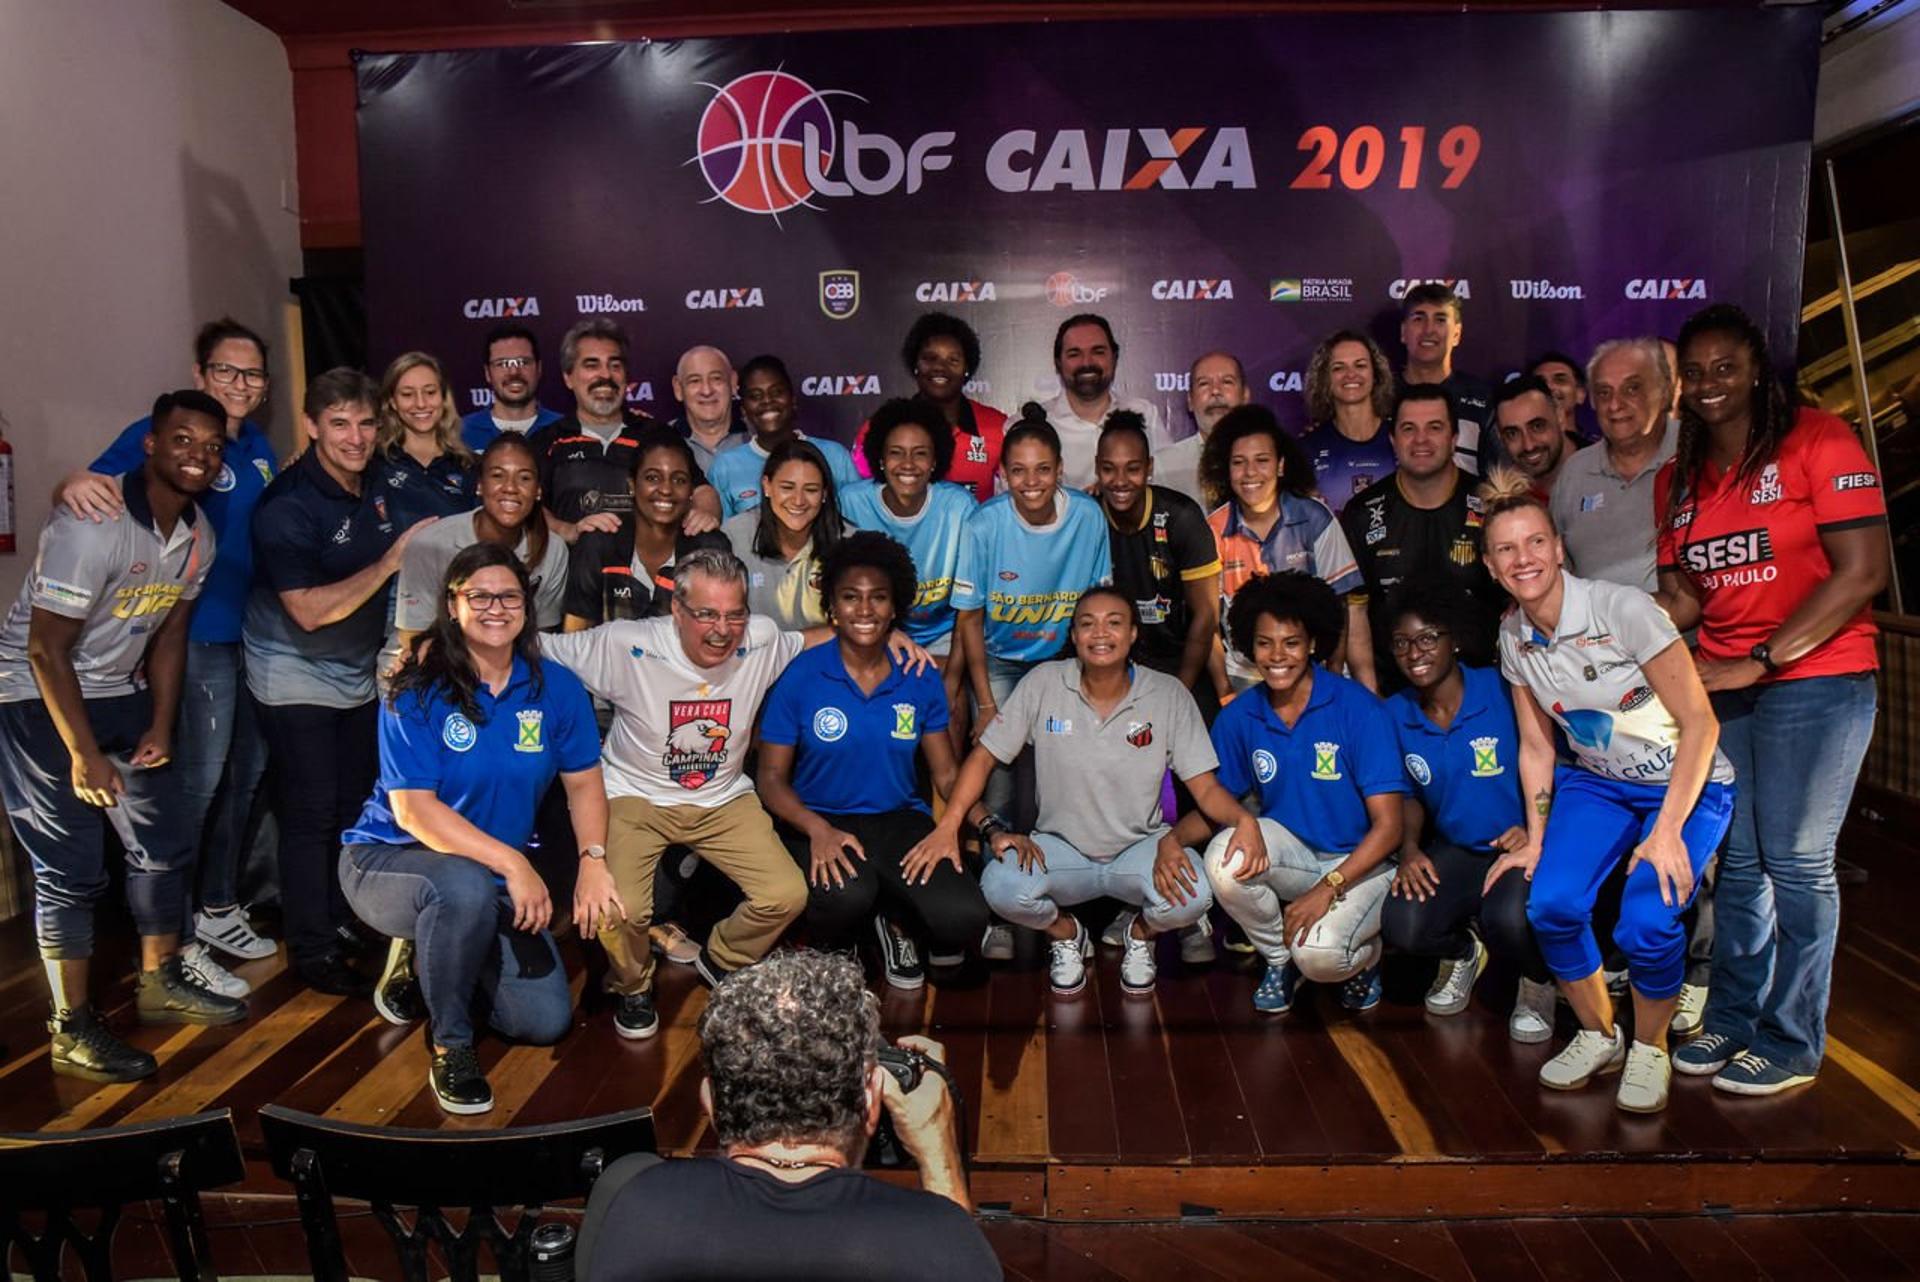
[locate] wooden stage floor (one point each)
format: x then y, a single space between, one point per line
1183 1106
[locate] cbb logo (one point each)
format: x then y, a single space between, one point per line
752 148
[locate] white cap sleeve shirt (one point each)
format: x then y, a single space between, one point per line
1589 678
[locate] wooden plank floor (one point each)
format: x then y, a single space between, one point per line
1107 1106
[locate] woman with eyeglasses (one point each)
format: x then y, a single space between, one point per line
943 353
474 730
784 540
423 467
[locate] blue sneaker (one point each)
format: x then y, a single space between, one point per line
1363 991
1275 994
1752 1074
1706 1055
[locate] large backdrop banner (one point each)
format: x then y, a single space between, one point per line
1248 184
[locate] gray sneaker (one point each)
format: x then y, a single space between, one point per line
997 944
167 996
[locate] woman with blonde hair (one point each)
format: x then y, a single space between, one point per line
424 467
1350 395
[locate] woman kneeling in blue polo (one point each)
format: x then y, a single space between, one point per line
473 732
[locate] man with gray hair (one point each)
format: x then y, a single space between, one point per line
685 690
705 384
1216 383
795 1087
1603 498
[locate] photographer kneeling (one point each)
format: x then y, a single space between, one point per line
794 1087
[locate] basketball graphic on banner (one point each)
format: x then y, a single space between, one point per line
753 142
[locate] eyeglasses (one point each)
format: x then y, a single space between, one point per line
1426 642
508 363
707 618
224 374
510 600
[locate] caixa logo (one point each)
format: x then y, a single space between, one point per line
495 308
1193 291
1286 381
1641 290
639 393
699 300
1544 290
954 291
767 143
1461 287
1127 160
840 385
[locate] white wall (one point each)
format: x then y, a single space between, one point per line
141 168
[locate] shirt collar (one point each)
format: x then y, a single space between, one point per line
1146 514
1072 678
1319 697
133 487
833 667
321 478
1576 611
1474 700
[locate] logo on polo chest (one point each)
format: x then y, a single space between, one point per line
904 722
698 732
458 733
1486 758
528 739
1140 733
1326 761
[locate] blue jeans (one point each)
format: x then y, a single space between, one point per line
1034 898
464 945
219 756
1798 746
1001 796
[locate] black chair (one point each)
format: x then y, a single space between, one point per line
427 1171
171 1162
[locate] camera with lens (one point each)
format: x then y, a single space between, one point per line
909 1068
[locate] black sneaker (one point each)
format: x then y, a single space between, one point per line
898 956
167 996
458 1083
710 971
348 939
397 995
635 1019
330 973
83 1047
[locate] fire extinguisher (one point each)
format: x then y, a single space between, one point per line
6 495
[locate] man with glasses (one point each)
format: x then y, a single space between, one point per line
685 691
219 754
511 365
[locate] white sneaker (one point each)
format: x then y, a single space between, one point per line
1115 935
1067 960
1588 1054
1643 1086
1196 943
1453 986
1617 981
231 932
1690 1014
1532 1019
198 965
1137 968
997 943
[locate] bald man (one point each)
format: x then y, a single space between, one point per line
705 385
1215 384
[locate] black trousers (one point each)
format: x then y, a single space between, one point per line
946 911
1437 926
321 769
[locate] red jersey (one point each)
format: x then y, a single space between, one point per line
976 449
1752 549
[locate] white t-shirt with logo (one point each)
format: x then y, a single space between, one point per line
680 732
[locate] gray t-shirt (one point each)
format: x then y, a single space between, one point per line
423 567
1588 677
788 592
120 577
1606 522
1099 780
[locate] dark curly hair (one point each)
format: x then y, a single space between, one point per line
870 550
439 662
827 527
1292 596
788 1045
1770 420
1440 602
1296 469
940 325
900 412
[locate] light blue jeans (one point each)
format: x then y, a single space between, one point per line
1035 897
1797 746
1341 944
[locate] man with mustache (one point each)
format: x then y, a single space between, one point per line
1085 355
1216 383
1525 415
511 365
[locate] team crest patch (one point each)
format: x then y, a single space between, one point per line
1486 758
528 740
905 723
458 733
264 468
829 725
1418 768
1326 761
698 731
1140 733
1265 767
226 480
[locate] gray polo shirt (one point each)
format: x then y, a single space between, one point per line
423 568
788 592
1099 780
1606 522
120 577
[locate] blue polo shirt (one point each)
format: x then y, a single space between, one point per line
229 504
853 751
1468 775
478 428
494 770
1315 778
447 486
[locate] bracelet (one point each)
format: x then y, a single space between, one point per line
989 826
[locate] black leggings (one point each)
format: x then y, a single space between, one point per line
946 910
1437 927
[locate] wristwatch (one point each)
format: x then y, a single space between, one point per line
594 852
1762 654
1338 883
989 826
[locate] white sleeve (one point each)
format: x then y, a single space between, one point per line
588 655
1642 628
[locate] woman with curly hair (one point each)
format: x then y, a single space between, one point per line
423 467
943 353
474 730
1773 543
784 539
1349 401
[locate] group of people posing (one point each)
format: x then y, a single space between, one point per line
1432 676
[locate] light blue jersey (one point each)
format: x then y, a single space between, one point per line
735 474
934 538
1026 578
